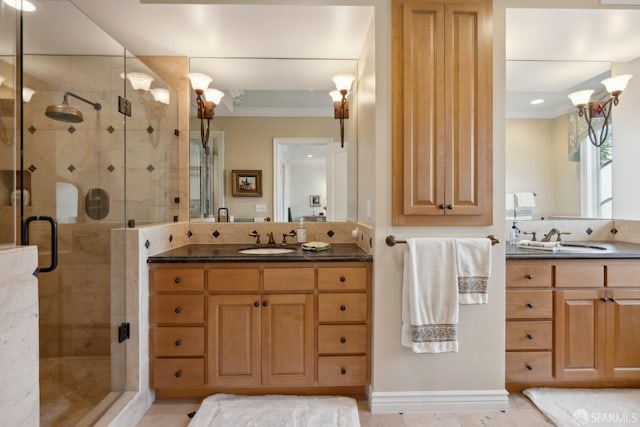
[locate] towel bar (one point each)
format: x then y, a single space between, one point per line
391 240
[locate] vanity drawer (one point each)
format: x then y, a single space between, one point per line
580 274
529 335
177 279
343 278
178 341
177 309
623 273
233 279
342 370
342 307
178 372
289 279
529 304
528 274
528 366
342 339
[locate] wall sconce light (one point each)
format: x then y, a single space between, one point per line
343 84
207 99
1 80
595 109
27 93
139 81
160 95
23 5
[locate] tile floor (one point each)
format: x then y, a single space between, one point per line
522 413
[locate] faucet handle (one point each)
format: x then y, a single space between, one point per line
292 233
561 233
255 234
533 235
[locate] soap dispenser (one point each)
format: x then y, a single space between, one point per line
302 232
514 235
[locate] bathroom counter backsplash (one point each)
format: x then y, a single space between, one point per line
198 253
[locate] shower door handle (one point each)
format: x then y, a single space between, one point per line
54 239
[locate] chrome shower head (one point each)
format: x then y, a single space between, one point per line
66 113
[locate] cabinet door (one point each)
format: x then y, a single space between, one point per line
234 340
442 113
623 334
579 333
288 340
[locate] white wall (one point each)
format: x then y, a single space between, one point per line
626 144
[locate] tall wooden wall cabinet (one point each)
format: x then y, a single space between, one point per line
442 112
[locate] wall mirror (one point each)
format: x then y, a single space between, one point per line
546 150
277 117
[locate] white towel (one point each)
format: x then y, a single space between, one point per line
547 246
473 263
509 202
430 296
525 200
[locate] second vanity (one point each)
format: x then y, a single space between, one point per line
573 318
223 321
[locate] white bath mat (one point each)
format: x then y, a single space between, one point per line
224 410
569 407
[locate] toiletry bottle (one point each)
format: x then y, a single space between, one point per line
302 232
514 235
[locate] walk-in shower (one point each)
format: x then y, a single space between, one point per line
66 113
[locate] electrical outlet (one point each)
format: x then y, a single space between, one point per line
261 208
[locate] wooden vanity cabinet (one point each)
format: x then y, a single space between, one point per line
595 316
442 112
265 327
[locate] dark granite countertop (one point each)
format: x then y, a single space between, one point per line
229 253
612 250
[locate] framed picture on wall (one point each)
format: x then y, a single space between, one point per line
314 200
246 183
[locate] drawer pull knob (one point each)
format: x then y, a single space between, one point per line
256 304
177 280
178 342
530 336
343 279
529 305
343 340
343 308
343 371
603 299
265 303
612 299
529 367
529 276
178 373
178 310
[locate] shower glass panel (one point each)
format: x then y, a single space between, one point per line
8 124
73 139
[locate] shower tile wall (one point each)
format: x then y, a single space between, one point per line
75 298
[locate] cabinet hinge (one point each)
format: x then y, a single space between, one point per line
123 332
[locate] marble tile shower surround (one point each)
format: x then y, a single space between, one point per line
19 397
91 154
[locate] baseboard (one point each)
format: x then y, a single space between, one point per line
437 401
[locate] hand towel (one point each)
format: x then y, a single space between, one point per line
525 200
509 202
549 246
473 268
430 296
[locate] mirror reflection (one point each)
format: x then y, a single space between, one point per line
552 169
279 121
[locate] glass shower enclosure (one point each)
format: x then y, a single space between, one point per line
95 153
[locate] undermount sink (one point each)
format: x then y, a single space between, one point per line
581 247
266 251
